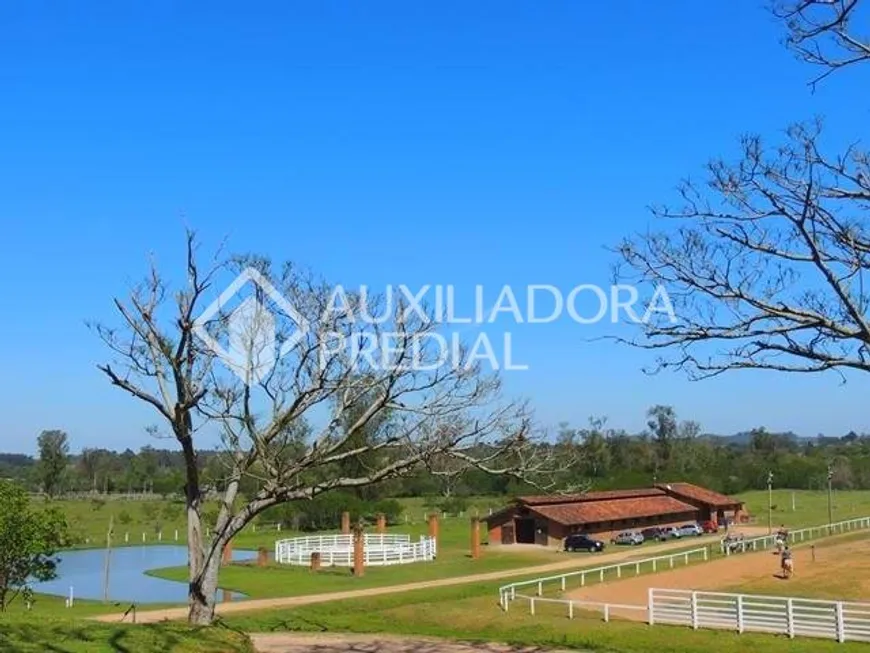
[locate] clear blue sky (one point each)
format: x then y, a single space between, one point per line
378 142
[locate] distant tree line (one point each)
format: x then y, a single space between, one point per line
601 457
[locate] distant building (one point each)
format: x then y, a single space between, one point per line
547 520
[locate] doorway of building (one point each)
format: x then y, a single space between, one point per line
525 530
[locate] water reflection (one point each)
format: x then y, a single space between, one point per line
84 571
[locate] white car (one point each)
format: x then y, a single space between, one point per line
691 530
669 532
627 537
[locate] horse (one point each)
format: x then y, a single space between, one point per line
787 567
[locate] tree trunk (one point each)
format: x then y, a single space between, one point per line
201 597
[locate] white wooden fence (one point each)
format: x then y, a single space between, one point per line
508 593
838 620
802 535
379 549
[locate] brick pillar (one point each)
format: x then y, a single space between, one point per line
345 523
382 523
315 560
262 557
358 555
433 526
475 537
228 553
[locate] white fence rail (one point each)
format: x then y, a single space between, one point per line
838 620
379 549
794 537
509 593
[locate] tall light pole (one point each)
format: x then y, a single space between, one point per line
830 504
769 502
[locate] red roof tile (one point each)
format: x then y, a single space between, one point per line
602 495
700 494
571 514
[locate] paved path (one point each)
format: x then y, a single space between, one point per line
328 643
576 561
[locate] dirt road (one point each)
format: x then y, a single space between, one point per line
761 570
294 643
574 561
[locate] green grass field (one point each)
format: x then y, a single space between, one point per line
465 612
811 507
89 520
29 634
471 613
453 559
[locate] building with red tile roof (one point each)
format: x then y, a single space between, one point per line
547 520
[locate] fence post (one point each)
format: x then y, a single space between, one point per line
655 565
602 575
687 558
606 613
532 606
563 583
583 579
841 627
695 610
570 609
706 553
637 569
619 571
540 588
513 592
740 613
789 616
649 607
671 559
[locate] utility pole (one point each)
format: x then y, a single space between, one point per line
770 503
830 504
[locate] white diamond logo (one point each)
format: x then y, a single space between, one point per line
251 327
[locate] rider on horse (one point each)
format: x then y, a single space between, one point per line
787 561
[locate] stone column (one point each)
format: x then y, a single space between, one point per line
382 523
433 526
262 557
345 523
475 537
358 554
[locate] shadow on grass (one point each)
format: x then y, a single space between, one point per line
24 636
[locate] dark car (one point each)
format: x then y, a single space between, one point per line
654 533
579 542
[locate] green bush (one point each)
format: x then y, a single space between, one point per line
323 513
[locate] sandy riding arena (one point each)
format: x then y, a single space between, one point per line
840 571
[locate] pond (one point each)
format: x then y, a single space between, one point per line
84 571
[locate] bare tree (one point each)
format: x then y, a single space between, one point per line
830 34
302 385
767 266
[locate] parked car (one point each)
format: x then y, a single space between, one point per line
690 530
580 542
710 526
628 537
652 533
669 533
